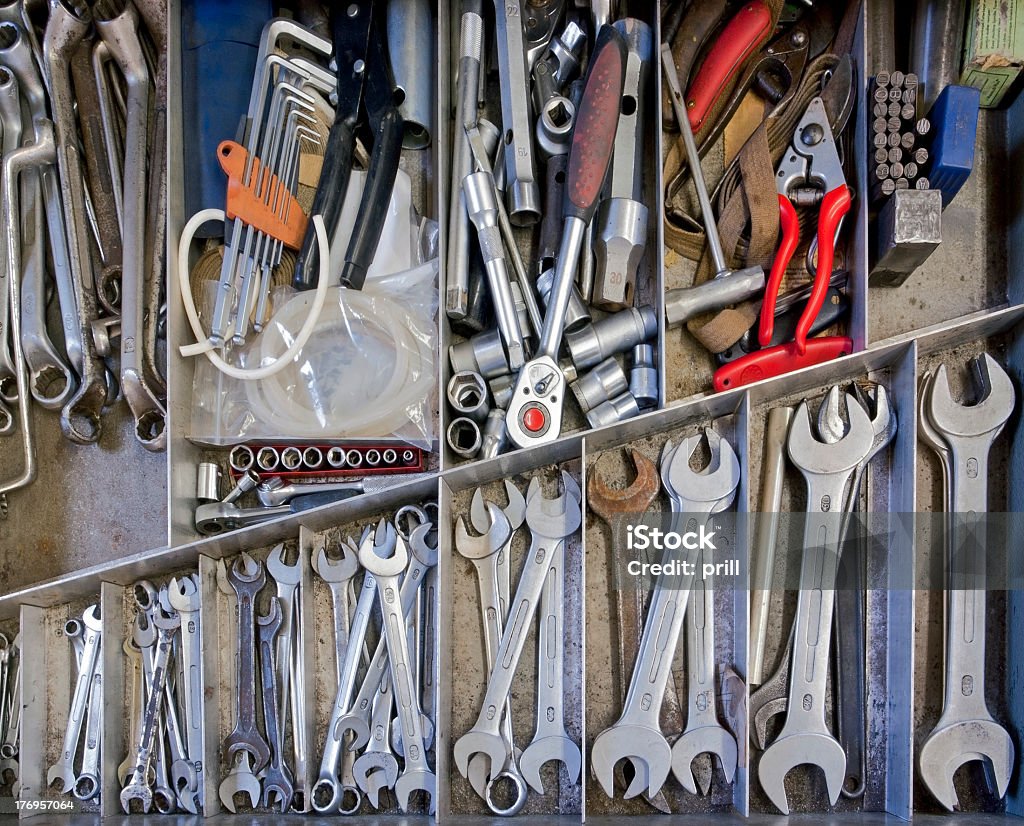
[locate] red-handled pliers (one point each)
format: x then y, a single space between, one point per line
809 170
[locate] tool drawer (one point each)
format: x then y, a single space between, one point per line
527 632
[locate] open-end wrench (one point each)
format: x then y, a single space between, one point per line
703 734
64 769
385 556
66 26
328 793
535 412
966 729
482 551
136 706
805 736
615 506
377 767
770 697
247 578
424 558
137 789
550 522
637 734
286 578
277 782
120 33
184 598
338 574
848 618
550 739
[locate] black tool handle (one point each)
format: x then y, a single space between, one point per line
373 206
330 195
597 118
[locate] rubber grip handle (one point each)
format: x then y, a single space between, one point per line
376 198
740 38
309 501
330 195
775 361
790 238
597 118
834 206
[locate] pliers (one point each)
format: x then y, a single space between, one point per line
366 93
810 172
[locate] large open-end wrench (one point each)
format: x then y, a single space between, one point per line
550 522
137 789
805 737
849 622
136 705
966 729
423 559
637 734
615 506
67 25
550 739
64 769
120 33
703 734
277 782
384 555
770 698
535 412
247 578
12 718
482 551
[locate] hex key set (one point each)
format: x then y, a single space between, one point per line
665 294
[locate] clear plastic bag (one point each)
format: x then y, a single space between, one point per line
368 371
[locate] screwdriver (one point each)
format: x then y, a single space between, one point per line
535 412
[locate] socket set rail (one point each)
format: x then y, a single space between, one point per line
710 732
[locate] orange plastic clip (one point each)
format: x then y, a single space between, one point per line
264 202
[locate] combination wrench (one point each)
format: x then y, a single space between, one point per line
64 768
137 788
384 555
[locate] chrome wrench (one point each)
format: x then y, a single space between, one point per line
64 768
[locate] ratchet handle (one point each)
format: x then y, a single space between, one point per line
376 198
330 195
597 119
834 206
775 361
790 238
741 37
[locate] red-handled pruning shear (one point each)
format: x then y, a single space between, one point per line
810 172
